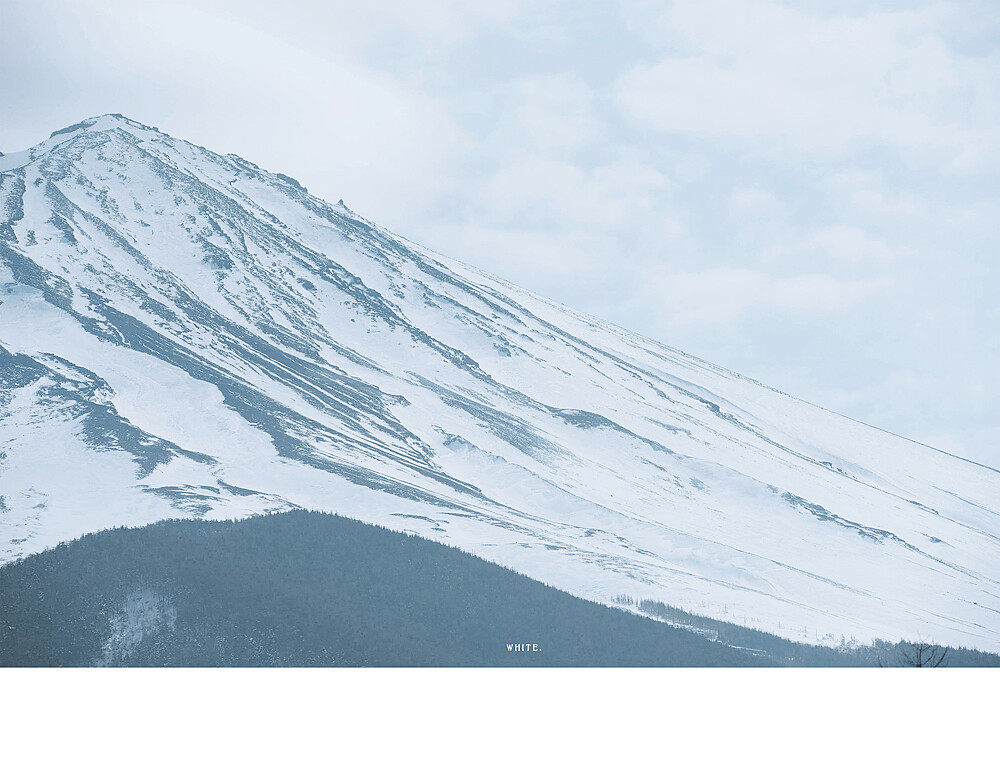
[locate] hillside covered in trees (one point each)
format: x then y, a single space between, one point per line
313 589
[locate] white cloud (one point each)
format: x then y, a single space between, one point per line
852 244
761 71
346 25
724 294
754 210
868 190
530 188
556 113
754 200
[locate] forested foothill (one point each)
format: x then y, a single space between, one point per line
313 589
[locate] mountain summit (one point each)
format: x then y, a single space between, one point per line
185 334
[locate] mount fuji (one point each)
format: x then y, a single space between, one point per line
184 334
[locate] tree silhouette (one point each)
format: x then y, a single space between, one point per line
922 655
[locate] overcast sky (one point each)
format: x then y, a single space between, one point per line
809 198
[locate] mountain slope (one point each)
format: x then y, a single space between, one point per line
183 333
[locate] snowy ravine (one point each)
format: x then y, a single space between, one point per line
184 334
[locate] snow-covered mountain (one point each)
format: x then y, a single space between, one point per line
185 334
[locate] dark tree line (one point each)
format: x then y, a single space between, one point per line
314 589
309 589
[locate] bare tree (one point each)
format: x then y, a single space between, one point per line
922 655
